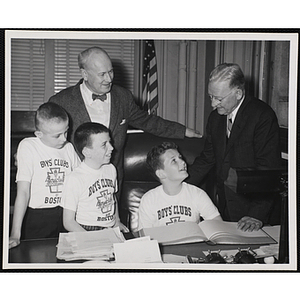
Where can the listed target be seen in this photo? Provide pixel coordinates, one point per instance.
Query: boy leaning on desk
(88, 198)
(174, 200)
(43, 163)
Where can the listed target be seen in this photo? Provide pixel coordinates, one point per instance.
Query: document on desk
(89, 244)
(139, 250)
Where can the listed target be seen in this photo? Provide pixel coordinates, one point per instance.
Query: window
(30, 57)
(67, 72)
(27, 73)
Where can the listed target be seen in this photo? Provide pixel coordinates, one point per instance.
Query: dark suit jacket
(124, 112)
(253, 143)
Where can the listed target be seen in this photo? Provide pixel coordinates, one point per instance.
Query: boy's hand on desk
(123, 228)
(249, 224)
(13, 242)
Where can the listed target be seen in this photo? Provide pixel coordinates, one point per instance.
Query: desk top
(44, 250)
(34, 251)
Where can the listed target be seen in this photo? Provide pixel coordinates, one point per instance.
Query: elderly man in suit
(241, 132)
(95, 98)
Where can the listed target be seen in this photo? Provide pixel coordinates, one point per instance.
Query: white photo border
(178, 35)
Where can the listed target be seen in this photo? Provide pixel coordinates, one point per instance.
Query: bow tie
(100, 97)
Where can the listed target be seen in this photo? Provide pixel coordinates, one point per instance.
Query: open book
(218, 232)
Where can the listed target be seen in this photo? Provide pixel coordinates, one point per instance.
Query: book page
(178, 233)
(227, 233)
(273, 231)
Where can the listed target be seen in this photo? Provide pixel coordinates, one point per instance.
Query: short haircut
(229, 72)
(82, 135)
(154, 155)
(84, 55)
(49, 111)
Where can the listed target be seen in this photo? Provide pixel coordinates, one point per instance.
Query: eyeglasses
(212, 97)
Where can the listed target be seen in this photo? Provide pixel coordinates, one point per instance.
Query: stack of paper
(88, 245)
(139, 250)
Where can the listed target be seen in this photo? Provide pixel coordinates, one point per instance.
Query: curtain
(182, 68)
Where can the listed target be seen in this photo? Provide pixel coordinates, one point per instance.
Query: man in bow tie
(241, 132)
(116, 111)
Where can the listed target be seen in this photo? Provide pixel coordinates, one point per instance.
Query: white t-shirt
(159, 209)
(91, 194)
(46, 169)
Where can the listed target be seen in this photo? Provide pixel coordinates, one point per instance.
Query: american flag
(149, 97)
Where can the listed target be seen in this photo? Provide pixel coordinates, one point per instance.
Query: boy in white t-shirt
(89, 194)
(174, 200)
(43, 163)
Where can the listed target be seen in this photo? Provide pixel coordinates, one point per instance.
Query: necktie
(229, 127)
(100, 97)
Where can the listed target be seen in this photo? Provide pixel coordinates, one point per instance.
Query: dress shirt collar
(232, 115)
(87, 94)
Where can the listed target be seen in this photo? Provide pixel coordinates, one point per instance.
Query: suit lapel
(239, 123)
(78, 105)
(221, 137)
(114, 109)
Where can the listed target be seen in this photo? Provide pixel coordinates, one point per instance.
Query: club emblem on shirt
(174, 220)
(55, 180)
(105, 202)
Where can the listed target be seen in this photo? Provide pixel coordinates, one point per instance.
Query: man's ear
(84, 74)
(239, 94)
(160, 174)
(38, 134)
(86, 152)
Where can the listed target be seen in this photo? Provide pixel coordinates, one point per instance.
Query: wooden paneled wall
(184, 67)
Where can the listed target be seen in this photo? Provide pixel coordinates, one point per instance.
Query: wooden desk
(197, 249)
(44, 250)
(34, 251)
